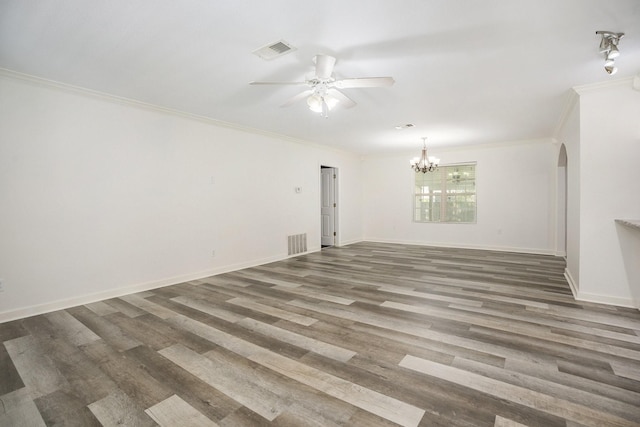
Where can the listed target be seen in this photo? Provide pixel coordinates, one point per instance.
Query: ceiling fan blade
(364, 82)
(297, 98)
(324, 66)
(345, 101)
(278, 83)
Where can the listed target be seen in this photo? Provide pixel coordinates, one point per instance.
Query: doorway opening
(561, 203)
(328, 206)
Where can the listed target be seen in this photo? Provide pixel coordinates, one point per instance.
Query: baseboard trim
(572, 283)
(600, 299)
(607, 299)
(462, 246)
(34, 310)
(350, 242)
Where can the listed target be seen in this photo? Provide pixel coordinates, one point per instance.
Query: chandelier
(424, 163)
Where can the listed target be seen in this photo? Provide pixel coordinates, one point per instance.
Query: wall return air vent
(297, 244)
(274, 50)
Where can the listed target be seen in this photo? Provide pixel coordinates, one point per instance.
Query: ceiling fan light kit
(323, 94)
(609, 47)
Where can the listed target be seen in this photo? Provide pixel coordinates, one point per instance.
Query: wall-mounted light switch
(298, 189)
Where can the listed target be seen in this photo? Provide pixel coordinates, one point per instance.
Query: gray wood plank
(520, 395)
(9, 377)
(174, 411)
(369, 334)
(39, 373)
(118, 409)
(18, 409)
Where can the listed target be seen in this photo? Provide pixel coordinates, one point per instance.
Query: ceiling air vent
(274, 50)
(405, 126)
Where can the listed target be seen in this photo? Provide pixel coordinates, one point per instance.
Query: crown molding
(498, 144)
(574, 93)
(593, 87)
(467, 148)
(569, 104)
(78, 90)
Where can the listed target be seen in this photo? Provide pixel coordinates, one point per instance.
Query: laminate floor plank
(101, 308)
(36, 369)
(12, 329)
(174, 411)
(103, 328)
(319, 347)
(197, 393)
(210, 309)
(124, 307)
(520, 395)
(9, 377)
(62, 408)
(19, 409)
(243, 389)
(369, 334)
(133, 380)
(118, 409)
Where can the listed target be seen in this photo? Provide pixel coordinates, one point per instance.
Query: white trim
(33, 310)
(572, 283)
(465, 246)
(607, 299)
(464, 147)
(350, 242)
(591, 87)
(597, 298)
(572, 99)
(77, 90)
(574, 95)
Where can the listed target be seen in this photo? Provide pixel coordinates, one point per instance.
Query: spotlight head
(611, 69)
(613, 52)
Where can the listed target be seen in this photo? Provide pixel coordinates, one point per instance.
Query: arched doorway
(561, 203)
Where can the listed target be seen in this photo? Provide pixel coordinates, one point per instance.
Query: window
(446, 195)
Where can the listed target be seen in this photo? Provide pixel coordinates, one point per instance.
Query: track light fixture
(609, 47)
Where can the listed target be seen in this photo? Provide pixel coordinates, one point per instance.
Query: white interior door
(328, 206)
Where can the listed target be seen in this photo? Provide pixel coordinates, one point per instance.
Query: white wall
(515, 191)
(609, 156)
(100, 197)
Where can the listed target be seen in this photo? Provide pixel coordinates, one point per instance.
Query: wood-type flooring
(368, 334)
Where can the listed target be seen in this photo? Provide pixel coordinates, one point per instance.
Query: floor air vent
(297, 243)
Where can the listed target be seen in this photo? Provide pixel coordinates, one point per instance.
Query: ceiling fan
(323, 93)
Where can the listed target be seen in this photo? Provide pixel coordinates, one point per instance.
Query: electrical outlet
(213, 252)
(1, 285)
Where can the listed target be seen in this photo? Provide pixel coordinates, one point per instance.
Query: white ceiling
(466, 71)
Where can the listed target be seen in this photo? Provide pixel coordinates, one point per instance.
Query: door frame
(336, 198)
